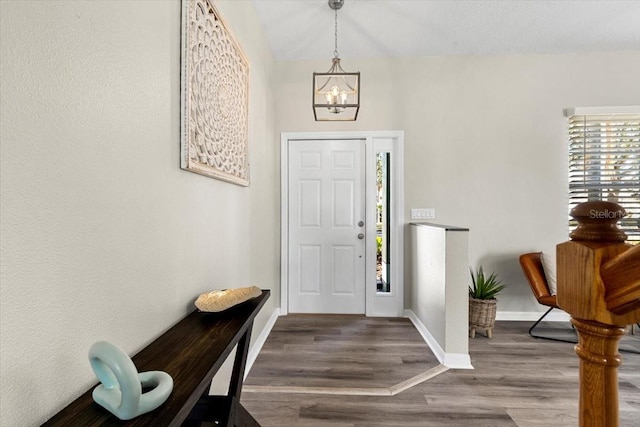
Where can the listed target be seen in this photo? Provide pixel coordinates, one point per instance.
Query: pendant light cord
(335, 51)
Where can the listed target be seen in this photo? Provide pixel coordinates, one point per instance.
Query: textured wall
(103, 237)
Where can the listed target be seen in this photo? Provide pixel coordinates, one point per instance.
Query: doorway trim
(389, 304)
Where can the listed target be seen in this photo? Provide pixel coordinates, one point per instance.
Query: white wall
(264, 157)
(484, 140)
(103, 236)
(439, 296)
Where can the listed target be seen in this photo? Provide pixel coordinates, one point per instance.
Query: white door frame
(376, 303)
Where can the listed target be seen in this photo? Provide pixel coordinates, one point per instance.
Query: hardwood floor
(340, 371)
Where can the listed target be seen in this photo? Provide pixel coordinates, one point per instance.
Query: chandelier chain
(335, 51)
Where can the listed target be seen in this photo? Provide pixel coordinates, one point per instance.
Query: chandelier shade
(336, 93)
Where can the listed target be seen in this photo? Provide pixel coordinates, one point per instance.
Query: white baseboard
(450, 360)
(260, 340)
(554, 316)
(457, 361)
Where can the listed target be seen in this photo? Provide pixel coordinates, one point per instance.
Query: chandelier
(336, 93)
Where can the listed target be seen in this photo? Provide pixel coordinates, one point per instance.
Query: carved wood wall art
(215, 96)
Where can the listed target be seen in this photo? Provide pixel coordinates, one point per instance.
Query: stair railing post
(596, 244)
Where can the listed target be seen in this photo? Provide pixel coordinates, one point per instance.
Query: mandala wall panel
(215, 96)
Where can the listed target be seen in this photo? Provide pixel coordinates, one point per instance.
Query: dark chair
(531, 264)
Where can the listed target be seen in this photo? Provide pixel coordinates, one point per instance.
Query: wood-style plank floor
(314, 370)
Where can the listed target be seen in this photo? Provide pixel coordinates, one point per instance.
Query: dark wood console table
(191, 352)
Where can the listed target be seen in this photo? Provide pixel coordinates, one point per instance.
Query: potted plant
(482, 301)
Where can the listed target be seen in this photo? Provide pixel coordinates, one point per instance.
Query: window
(604, 161)
(383, 221)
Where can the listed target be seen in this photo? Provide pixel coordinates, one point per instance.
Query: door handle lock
(360, 236)
(360, 223)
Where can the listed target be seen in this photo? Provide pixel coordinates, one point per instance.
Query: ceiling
(304, 29)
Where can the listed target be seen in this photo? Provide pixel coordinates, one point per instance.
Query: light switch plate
(423, 213)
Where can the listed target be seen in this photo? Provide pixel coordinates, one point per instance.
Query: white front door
(326, 214)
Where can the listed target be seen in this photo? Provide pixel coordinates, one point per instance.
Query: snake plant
(484, 287)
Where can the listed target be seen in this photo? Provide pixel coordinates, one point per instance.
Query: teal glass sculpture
(121, 390)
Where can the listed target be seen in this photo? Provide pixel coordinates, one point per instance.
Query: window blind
(604, 164)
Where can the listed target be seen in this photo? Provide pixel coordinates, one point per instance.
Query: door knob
(360, 223)
(360, 236)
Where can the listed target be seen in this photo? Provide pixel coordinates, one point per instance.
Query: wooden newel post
(599, 360)
(599, 286)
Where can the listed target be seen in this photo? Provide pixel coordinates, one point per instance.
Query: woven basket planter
(482, 315)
